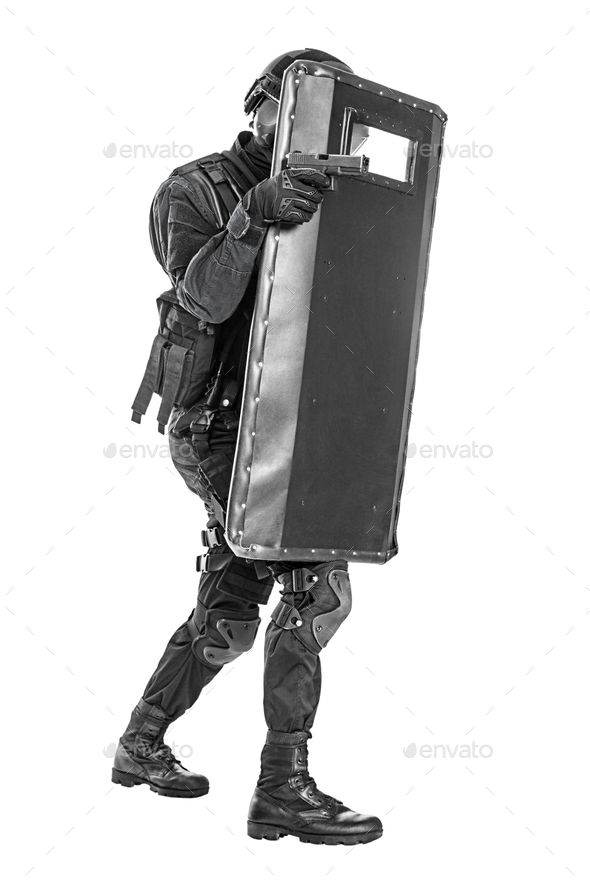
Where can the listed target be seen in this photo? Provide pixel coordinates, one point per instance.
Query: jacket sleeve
(209, 267)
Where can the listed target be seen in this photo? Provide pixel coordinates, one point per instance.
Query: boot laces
(164, 754)
(309, 785)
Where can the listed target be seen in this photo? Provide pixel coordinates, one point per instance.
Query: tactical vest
(181, 361)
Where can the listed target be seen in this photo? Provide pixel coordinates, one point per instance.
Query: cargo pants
(227, 608)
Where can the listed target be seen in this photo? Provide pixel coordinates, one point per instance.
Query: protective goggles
(264, 87)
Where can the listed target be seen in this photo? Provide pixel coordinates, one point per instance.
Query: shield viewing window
(390, 146)
(389, 155)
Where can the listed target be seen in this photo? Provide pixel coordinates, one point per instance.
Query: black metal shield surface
(334, 342)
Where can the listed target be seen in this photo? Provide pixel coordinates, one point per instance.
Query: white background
(477, 631)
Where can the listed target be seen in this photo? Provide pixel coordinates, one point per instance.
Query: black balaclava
(258, 156)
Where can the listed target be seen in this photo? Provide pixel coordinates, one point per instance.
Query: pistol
(330, 164)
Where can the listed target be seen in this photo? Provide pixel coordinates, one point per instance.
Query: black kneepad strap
(313, 605)
(286, 616)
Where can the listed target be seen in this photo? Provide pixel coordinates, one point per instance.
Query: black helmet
(268, 85)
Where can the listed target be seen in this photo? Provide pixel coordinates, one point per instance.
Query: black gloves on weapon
(291, 196)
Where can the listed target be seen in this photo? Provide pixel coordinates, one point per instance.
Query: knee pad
(326, 622)
(315, 602)
(220, 636)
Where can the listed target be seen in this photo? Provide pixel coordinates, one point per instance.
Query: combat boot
(143, 758)
(287, 802)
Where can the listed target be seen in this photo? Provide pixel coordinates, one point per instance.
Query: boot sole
(126, 779)
(267, 831)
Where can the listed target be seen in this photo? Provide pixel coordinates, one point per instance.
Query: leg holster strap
(260, 567)
(212, 537)
(213, 562)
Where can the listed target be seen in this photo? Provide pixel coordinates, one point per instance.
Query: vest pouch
(180, 363)
(196, 367)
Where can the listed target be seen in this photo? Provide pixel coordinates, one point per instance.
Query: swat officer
(207, 224)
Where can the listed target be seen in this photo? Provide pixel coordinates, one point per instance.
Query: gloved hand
(291, 196)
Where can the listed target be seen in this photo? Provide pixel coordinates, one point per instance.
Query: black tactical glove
(291, 196)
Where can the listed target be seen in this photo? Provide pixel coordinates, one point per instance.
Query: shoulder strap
(194, 164)
(210, 173)
(228, 184)
(236, 162)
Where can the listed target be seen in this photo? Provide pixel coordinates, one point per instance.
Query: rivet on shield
(253, 433)
(260, 364)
